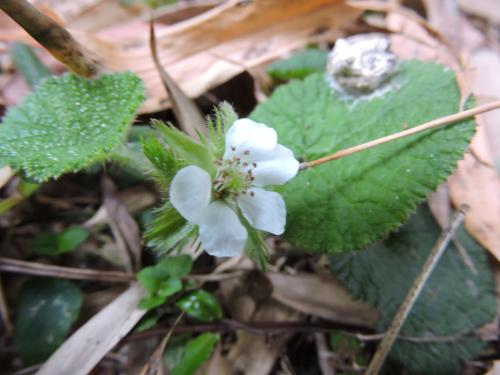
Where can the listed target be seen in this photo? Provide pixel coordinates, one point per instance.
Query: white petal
(221, 232)
(265, 210)
(190, 192)
(246, 137)
(279, 167)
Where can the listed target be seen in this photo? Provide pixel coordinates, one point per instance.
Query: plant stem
(414, 292)
(57, 40)
(447, 120)
(32, 268)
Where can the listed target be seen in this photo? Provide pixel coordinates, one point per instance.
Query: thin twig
(264, 328)
(155, 363)
(4, 311)
(32, 268)
(447, 120)
(57, 40)
(323, 354)
(414, 292)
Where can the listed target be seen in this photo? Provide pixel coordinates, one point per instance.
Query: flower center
(234, 177)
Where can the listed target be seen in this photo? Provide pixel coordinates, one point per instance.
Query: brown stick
(447, 120)
(57, 40)
(38, 269)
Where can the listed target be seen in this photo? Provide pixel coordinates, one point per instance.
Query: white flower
(252, 160)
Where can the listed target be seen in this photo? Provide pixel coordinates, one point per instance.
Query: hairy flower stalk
(252, 159)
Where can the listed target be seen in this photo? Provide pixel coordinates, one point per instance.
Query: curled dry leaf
(321, 296)
(90, 343)
(209, 49)
(125, 229)
(135, 200)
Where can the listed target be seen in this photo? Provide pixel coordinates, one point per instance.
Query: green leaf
(165, 289)
(454, 301)
(55, 244)
(146, 323)
(47, 309)
(178, 266)
(28, 64)
(186, 148)
(25, 188)
(168, 229)
(299, 65)
(200, 305)
(352, 202)
(163, 279)
(196, 352)
(69, 123)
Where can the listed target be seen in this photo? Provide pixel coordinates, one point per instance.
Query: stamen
(254, 165)
(245, 164)
(252, 193)
(247, 152)
(233, 148)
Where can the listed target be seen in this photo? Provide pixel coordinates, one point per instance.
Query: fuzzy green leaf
(352, 202)
(299, 65)
(69, 123)
(47, 309)
(454, 301)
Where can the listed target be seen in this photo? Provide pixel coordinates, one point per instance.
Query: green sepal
(186, 148)
(167, 229)
(256, 247)
(224, 117)
(163, 159)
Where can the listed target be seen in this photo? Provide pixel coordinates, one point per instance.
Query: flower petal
(279, 167)
(246, 137)
(221, 232)
(190, 192)
(265, 210)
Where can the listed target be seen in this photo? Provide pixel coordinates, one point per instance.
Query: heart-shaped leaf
(69, 123)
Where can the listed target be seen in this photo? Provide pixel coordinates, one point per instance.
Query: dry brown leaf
(495, 369)
(255, 355)
(478, 186)
(207, 50)
(135, 200)
(440, 205)
(488, 9)
(217, 364)
(485, 63)
(186, 112)
(79, 354)
(125, 229)
(321, 296)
